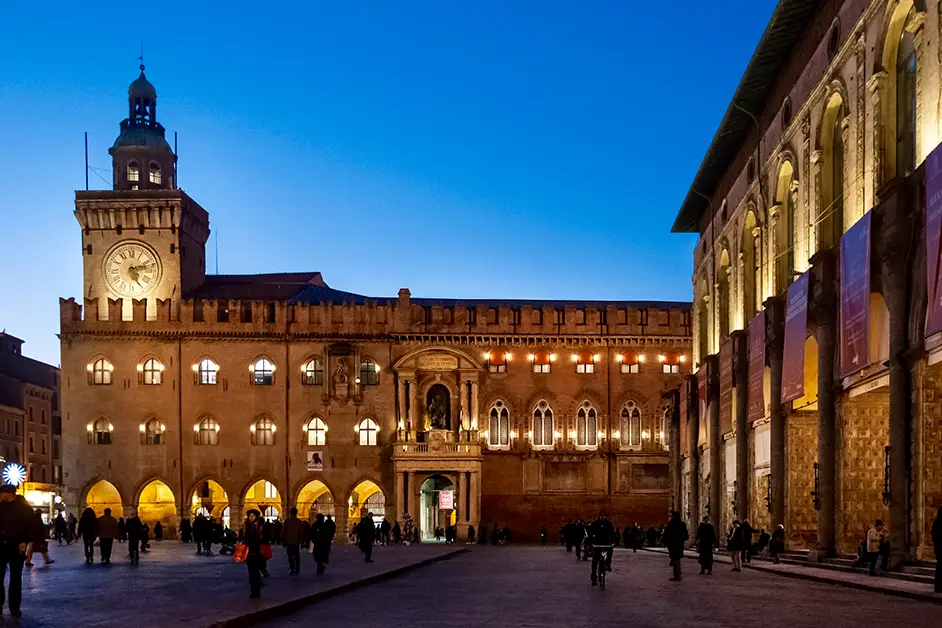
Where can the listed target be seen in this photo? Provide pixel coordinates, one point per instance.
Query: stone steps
(917, 572)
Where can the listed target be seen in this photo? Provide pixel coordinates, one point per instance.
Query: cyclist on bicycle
(601, 535)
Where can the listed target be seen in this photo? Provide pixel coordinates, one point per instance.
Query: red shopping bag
(265, 549)
(240, 553)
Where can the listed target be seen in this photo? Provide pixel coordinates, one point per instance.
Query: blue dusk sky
(499, 149)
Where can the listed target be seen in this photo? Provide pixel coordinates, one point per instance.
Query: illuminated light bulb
(599, 435)
(661, 358)
(252, 428)
(401, 425)
(325, 429)
(357, 381)
(163, 428)
(89, 427)
(196, 428)
(508, 356)
(645, 434)
(110, 427)
(217, 427)
(378, 368)
(596, 357)
(484, 434)
(617, 434)
(140, 368)
(530, 357)
(251, 368)
(556, 434)
(273, 368)
(196, 367)
(356, 428)
(160, 367)
(530, 434)
(574, 357)
(640, 357)
(682, 359)
(89, 368)
(142, 427)
(274, 428)
(572, 433)
(662, 437)
(304, 428)
(619, 358)
(487, 355)
(303, 368)
(552, 357)
(110, 367)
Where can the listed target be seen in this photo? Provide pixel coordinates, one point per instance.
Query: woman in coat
(88, 530)
(253, 536)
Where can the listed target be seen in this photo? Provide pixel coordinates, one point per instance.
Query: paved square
(545, 587)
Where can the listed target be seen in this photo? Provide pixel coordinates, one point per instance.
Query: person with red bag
(254, 538)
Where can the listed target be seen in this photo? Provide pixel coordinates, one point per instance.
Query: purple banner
(933, 233)
(855, 297)
(757, 367)
(796, 331)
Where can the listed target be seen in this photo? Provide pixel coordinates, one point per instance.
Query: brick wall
(864, 432)
(801, 452)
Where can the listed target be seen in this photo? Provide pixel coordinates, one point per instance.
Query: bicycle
(602, 565)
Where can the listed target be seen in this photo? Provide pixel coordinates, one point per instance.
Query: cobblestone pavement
(544, 587)
(173, 587)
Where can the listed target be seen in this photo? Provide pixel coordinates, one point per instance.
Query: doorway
(431, 515)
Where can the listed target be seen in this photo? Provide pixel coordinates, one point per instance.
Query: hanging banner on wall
(933, 236)
(855, 297)
(446, 500)
(757, 367)
(726, 387)
(796, 331)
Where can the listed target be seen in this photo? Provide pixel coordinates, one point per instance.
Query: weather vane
(141, 58)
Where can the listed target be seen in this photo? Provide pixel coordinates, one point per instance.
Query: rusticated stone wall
(801, 452)
(931, 445)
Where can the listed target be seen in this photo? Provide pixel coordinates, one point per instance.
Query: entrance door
(430, 515)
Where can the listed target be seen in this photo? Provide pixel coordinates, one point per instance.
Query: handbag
(265, 550)
(240, 553)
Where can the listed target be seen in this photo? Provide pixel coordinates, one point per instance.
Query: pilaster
(740, 420)
(774, 343)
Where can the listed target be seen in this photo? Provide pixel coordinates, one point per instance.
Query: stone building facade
(822, 155)
(185, 392)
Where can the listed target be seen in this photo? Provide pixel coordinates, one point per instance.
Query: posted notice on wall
(446, 500)
(315, 461)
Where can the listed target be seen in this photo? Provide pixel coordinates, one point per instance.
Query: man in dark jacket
(331, 527)
(134, 528)
(17, 529)
(706, 539)
(61, 530)
(107, 533)
(675, 537)
(366, 534)
(601, 537)
(292, 535)
(320, 542)
(747, 533)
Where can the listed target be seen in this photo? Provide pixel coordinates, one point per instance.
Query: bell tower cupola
(141, 157)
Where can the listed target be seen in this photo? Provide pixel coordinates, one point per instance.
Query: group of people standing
(575, 536)
(105, 530)
(738, 543)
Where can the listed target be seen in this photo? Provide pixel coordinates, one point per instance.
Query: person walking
(331, 527)
(366, 534)
(72, 523)
(734, 545)
(199, 533)
(320, 542)
(705, 540)
(134, 528)
(747, 533)
(578, 538)
(158, 532)
(875, 538)
(470, 535)
(292, 534)
(107, 533)
(253, 537)
(40, 544)
(122, 533)
(568, 535)
(88, 530)
(396, 533)
(675, 537)
(186, 530)
(17, 528)
(384, 528)
(937, 545)
(61, 529)
(482, 537)
(777, 543)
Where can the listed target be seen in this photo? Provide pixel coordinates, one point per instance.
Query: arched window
(587, 427)
(134, 172)
(498, 427)
(154, 173)
(829, 222)
(751, 280)
(151, 372)
(207, 431)
(100, 431)
(585, 362)
(785, 229)
(542, 361)
(312, 373)
(906, 99)
(631, 425)
(316, 432)
(497, 361)
(206, 372)
(543, 427)
(263, 372)
(369, 373)
(630, 362)
(100, 372)
(263, 432)
(723, 293)
(367, 430)
(152, 432)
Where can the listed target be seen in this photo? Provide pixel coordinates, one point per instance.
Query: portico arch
(209, 498)
(405, 360)
(156, 502)
(313, 498)
(366, 497)
(103, 494)
(263, 496)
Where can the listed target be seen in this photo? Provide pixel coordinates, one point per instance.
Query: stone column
(476, 500)
(693, 425)
(741, 420)
(402, 420)
(475, 403)
(461, 499)
(415, 412)
(466, 420)
(412, 499)
(400, 496)
(774, 343)
(893, 239)
(717, 490)
(822, 310)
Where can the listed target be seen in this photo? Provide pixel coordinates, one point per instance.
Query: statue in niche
(438, 405)
(340, 375)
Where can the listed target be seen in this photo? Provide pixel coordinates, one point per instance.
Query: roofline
(736, 125)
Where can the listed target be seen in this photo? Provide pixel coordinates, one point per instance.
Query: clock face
(131, 269)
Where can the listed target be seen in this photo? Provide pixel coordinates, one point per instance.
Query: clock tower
(145, 238)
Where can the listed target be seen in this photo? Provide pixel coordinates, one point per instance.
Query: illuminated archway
(104, 495)
(157, 503)
(366, 497)
(210, 500)
(315, 498)
(264, 497)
